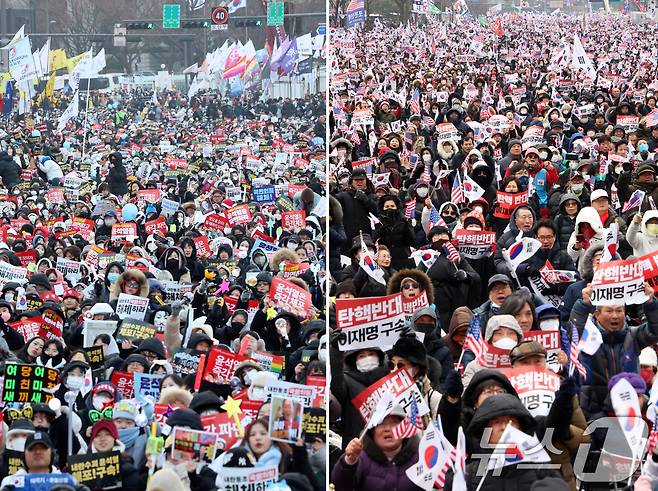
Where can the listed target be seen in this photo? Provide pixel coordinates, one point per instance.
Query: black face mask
(449, 219)
(438, 245)
(424, 327)
(237, 325)
(390, 213)
(172, 263)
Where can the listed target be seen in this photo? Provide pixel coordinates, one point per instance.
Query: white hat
(599, 193)
(648, 357)
(101, 309)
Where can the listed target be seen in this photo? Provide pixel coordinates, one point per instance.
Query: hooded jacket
(591, 216)
(564, 223)
(510, 237)
(9, 170)
(395, 232)
(641, 240)
(461, 317)
(192, 263)
(180, 273)
(117, 287)
(117, 177)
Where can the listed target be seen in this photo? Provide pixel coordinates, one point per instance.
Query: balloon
(129, 212)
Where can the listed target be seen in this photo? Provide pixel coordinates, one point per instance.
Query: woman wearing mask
(98, 405)
(105, 438)
(124, 416)
(394, 231)
(642, 233)
(173, 260)
(105, 283)
(131, 282)
(192, 262)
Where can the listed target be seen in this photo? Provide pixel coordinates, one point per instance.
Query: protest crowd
(493, 236)
(162, 275)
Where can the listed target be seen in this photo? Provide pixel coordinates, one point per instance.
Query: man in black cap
(357, 205)
(499, 287)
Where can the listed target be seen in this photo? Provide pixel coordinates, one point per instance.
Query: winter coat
(367, 286)
(337, 236)
(559, 259)
(9, 170)
(619, 352)
(438, 350)
(266, 329)
(461, 317)
(193, 263)
(509, 238)
(575, 290)
(180, 273)
(626, 186)
(373, 470)
(117, 177)
(641, 240)
(356, 209)
(564, 223)
(586, 215)
(50, 168)
(395, 232)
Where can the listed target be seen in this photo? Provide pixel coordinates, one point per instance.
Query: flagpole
(482, 480)
(84, 126)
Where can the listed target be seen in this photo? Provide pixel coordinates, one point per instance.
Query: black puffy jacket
(10, 171)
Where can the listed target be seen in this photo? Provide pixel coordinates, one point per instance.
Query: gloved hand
(461, 275)
(531, 270)
(202, 287)
(568, 388)
(551, 290)
(176, 307)
(407, 332)
(336, 336)
(452, 385)
(360, 195)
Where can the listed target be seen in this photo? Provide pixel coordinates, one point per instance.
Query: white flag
(98, 62)
(436, 455)
(580, 59)
(514, 447)
(591, 339)
(81, 70)
(192, 68)
(154, 98)
(21, 62)
(610, 247)
(459, 479)
(87, 383)
(369, 264)
(472, 190)
(521, 251)
(626, 404)
(20, 34)
(235, 5)
(194, 88)
(384, 406)
(69, 112)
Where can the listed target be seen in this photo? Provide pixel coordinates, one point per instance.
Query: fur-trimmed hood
(130, 273)
(282, 255)
(422, 279)
(441, 153)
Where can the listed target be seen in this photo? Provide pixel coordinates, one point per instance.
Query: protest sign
(149, 195)
(264, 194)
(618, 283)
(506, 203)
(493, 357)
(225, 428)
(650, 268)
(269, 362)
(26, 257)
(215, 221)
(99, 470)
(12, 273)
(320, 384)
(69, 269)
(28, 383)
(248, 478)
(146, 384)
(175, 290)
(134, 330)
(290, 297)
(14, 460)
(268, 248)
(40, 482)
(158, 225)
(95, 356)
(124, 231)
(411, 305)
(400, 384)
(447, 131)
(285, 419)
(292, 220)
(293, 270)
(124, 383)
(221, 364)
(238, 215)
(536, 388)
(550, 340)
(628, 122)
(169, 207)
(370, 321)
(474, 244)
(131, 306)
(185, 363)
(533, 135)
(302, 393)
(93, 328)
(193, 445)
(28, 328)
(202, 247)
(314, 424)
(52, 325)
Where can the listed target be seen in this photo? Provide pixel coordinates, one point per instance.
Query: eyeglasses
(494, 391)
(449, 213)
(132, 284)
(409, 285)
(399, 366)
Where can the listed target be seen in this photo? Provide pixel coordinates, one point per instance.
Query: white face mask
(208, 412)
(367, 364)
(427, 158)
(422, 192)
(550, 325)
(17, 444)
(322, 355)
(247, 376)
(577, 187)
(99, 402)
(505, 343)
(257, 394)
(74, 382)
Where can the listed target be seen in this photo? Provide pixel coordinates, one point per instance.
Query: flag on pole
(87, 383)
(516, 446)
(521, 251)
(436, 455)
(414, 103)
(580, 60)
(409, 209)
(70, 112)
(591, 339)
(20, 34)
(472, 190)
(573, 355)
(154, 98)
(369, 264)
(410, 424)
(459, 478)
(457, 192)
(435, 219)
(451, 253)
(425, 256)
(474, 341)
(610, 247)
(636, 199)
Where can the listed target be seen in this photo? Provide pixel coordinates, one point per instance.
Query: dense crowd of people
(481, 173)
(162, 278)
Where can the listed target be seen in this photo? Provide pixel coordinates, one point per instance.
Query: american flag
(451, 252)
(636, 199)
(355, 5)
(425, 176)
(652, 118)
(409, 209)
(457, 193)
(414, 103)
(354, 138)
(435, 219)
(474, 341)
(411, 422)
(429, 121)
(574, 354)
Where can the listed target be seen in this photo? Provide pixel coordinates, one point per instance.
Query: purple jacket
(374, 471)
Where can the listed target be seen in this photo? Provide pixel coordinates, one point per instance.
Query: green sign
(275, 10)
(171, 16)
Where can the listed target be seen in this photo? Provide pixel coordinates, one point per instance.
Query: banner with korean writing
(134, 330)
(618, 283)
(506, 203)
(536, 388)
(299, 392)
(370, 321)
(291, 220)
(69, 269)
(550, 340)
(28, 383)
(447, 131)
(403, 387)
(185, 363)
(202, 247)
(264, 194)
(475, 245)
(294, 270)
(533, 135)
(493, 357)
(101, 470)
(124, 382)
(28, 328)
(149, 195)
(411, 305)
(124, 231)
(193, 445)
(650, 268)
(221, 364)
(146, 384)
(269, 362)
(248, 478)
(320, 384)
(215, 221)
(12, 273)
(158, 225)
(238, 215)
(628, 122)
(290, 297)
(52, 326)
(225, 428)
(95, 356)
(314, 424)
(26, 257)
(131, 306)
(175, 290)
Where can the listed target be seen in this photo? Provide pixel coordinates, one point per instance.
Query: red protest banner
(230, 303)
(320, 384)
(260, 235)
(238, 215)
(650, 268)
(293, 189)
(124, 231)
(618, 283)
(202, 247)
(506, 203)
(26, 257)
(28, 328)
(290, 296)
(124, 383)
(221, 364)
(536, 388)
(215, 221)
(83, 224)
(55, 196)
(225, 427)
(158, 225)
(149, 195)
(293, 219)
(293, 270)
(494, 357)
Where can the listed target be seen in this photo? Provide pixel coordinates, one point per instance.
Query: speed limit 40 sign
(219, 19)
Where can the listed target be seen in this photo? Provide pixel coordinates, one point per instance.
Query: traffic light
(248, 23)
(140, 25)
(195, 24)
